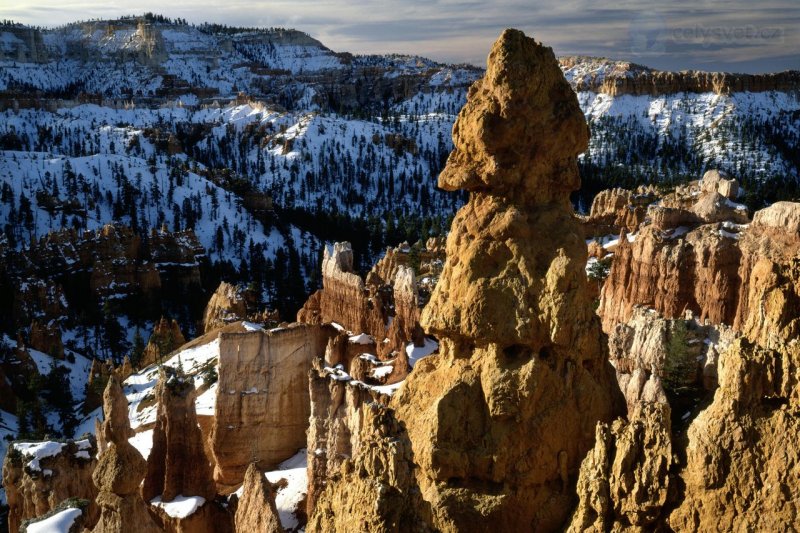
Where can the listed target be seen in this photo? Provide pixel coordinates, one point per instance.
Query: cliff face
(699, 282)
(621, 77)
(744, 276)
(262, 384)
(38, 476)
(624, 481)
(501, 419)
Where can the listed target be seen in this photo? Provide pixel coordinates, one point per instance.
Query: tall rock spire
(119, 471)
(501, 419)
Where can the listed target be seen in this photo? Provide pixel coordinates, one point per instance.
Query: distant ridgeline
(266, 144)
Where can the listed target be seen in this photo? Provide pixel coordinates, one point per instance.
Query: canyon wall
(262, 404)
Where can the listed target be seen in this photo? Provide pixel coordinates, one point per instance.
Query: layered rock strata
(622, 77)
(386, 306)
(744, 276)
(262, 384)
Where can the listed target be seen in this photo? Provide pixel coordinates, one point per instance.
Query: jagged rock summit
(521, 129)
(501, 419)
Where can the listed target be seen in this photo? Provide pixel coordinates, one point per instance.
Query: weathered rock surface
(360, 472)
(386, 306)
(35, 486)
(615, 210)
(641, 347)
(743, 276)
(230, 303)
(624, 481)
(120, 471)
(521, 350)
(262, 404)
(225, 306)
(256, 511)
(177, 464)
(743, 462)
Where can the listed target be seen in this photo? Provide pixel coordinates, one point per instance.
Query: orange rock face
(500, 420)
(745, 277)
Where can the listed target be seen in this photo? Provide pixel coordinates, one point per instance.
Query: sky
(724, 35)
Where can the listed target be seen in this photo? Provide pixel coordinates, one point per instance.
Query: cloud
(710, 34)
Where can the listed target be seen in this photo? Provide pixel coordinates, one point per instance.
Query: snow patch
(36, 451)
(60, 522)
(181, 506)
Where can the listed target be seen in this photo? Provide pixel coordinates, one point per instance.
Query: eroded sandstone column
(119, 471)
(501, 419)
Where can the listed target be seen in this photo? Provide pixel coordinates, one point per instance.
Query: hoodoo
(120, 471)
(501, 419)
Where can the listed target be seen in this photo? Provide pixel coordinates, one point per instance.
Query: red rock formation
(615, 210)
(727, 274)
(262, 404)
(38, 476)
(500, 419)
(360, 462)
(344, 295)
(359, 307)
